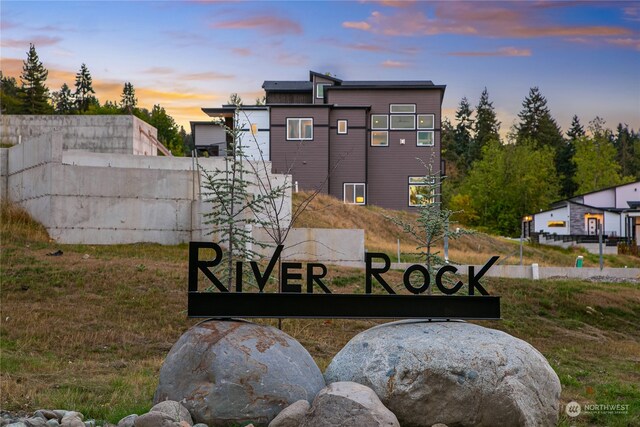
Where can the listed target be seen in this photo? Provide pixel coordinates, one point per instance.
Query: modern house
(364, 142)
(616, 210)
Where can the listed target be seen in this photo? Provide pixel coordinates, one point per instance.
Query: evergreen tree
(34, 94)
(128, 100)
(576, 130)
(487, 126)
(536, 124)
(462, 138)
(187, 140)
(10, 102)
(564, 160)
(84, 89)
(595, 159)
(624, 147)
(63, 100)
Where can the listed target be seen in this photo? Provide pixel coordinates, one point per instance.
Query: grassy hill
(381, 235)
(89, 330)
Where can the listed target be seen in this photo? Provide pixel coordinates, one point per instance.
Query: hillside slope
(381, 235)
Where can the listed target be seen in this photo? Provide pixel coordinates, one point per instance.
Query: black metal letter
(316, 277)
(474, 279)
(376, 272)
(196, 264)
(286, 276)
(441, 286)
(238, 276)
(263, 279)
(407, 276)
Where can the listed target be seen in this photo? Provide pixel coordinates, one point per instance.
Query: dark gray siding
(389, 167)
(307, 161)
(288, 98)
(348, 151)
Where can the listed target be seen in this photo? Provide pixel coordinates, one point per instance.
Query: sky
(184, 55)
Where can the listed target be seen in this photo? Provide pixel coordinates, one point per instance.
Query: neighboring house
(615, 209)
(363, 142)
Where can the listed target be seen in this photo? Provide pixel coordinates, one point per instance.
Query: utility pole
(601, 226)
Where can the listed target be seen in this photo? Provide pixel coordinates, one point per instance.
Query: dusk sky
(184, 55)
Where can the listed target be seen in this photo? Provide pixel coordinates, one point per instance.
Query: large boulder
(227, 372)
(454, 373)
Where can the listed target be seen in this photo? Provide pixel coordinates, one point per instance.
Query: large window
(403, 122)
(299, 129)
(354, 193)
(402, 108)
(425, 138)
(379, 121)
(421, 190)
(320, 90)
(379, 138)
(425, 121)
(342, 127)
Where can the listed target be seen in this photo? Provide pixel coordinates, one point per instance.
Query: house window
(425, 121)
(320, 90)
(379, 138)
(402, 108)
(254, 128)
(299, 129)
(403, 122)
(421, 190)
(556, 224)
(379, 121)
(354, 193)
(425, 138)
(342, 126)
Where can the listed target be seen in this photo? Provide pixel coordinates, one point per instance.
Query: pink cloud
(361, 25)
(626, 42)
(24, 43)
(505, 51)
(394, 64)
(242, 51)
(267, 24)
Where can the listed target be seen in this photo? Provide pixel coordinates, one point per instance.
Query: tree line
(494, 183)
(32, 96)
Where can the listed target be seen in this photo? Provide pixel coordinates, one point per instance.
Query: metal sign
(305, 294)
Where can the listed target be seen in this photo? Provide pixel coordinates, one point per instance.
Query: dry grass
(90, 333)
(16, 223)
(381, 235)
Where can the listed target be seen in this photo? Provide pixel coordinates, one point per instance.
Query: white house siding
(601, 199)
(612, 225)
(211, 134)
(256, 147)
(627, 193)
(542, 219)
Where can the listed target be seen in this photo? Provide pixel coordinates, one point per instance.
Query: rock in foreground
(227, 372)
(454, 373)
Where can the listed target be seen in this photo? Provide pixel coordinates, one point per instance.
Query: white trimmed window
(420, 191)
(379, 138)
(379, 121)
(342, 127)
(425, 138)
(403, 122)
(402, 108)
(320, 90)
(354, 193)
(300, 129)
(426, 121)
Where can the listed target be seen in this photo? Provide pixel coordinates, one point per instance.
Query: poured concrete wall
(122, 134)
(310, 244)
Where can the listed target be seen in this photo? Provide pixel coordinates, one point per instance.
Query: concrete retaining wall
(311, 244)
(526, 271)
(122, 134)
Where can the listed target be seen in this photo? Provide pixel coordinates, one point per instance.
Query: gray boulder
(175, 410)
(155, 419)
(348, 404)
(454, 373)
(128, 421)
(292, 415)
(227, 372)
